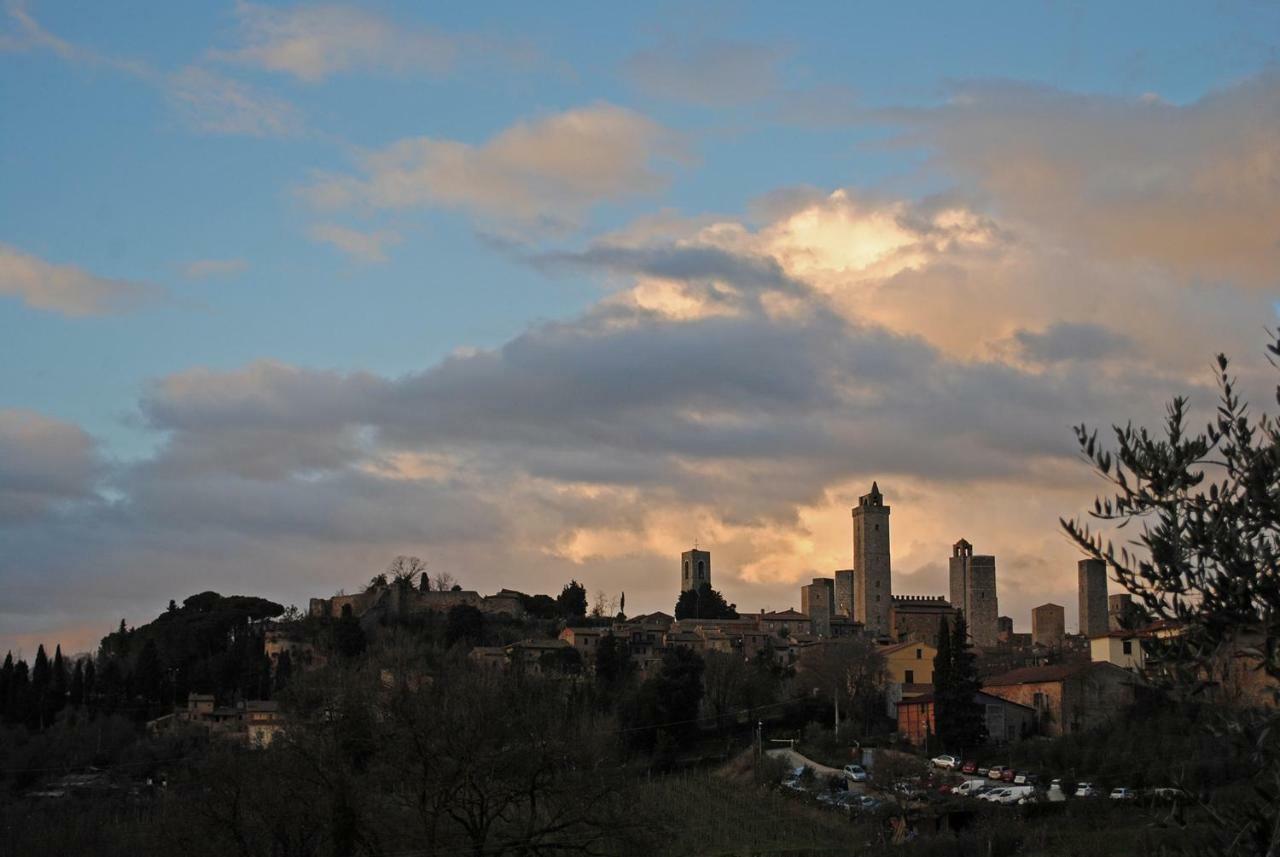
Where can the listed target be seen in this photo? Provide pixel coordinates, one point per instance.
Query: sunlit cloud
(545, 173)
(370, 247)
(68, 289)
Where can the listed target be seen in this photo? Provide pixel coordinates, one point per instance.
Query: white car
(1015, 794)
(948, 762)
(969, 788)
(856, 773)
(1086, 790)
(995, 795)
(1123, 794)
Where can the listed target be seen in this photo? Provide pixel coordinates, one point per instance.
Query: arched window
(701, 566)
(686, 568)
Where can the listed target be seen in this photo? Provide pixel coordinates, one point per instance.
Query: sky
(548, 293)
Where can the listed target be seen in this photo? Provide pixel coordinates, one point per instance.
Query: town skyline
(287, 291)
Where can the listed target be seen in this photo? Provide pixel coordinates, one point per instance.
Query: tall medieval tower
(1093, 597)
(973, 592)
(695, 569)
(872, 578)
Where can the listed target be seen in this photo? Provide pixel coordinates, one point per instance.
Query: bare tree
(444, 581)
(849, 672)
(405, 570)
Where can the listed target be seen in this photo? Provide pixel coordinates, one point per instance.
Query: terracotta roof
(1050, 673)
(979, 697)
(785, 616)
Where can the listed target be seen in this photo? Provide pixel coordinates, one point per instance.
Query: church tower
(695, 569)
(873, 595)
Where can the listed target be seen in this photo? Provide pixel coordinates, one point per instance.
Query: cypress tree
(58, 682)
(75, 696)
(90, 681)
(284, 670)
(942, 684)
(6, 683)
(968, 719)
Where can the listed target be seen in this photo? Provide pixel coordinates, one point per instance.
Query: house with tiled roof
(1067, 697)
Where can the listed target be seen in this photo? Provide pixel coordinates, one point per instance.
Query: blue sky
(364, 191)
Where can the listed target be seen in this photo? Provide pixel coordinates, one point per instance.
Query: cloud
(314, 42)
(42, 462)
(550, 171)
(709, 72)
(213, 104)
(68, 289)
(1067, 341)
(368, 247)
(200, 269)
(1193, 189)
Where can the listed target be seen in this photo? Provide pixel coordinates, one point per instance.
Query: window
(1128, 647)
(701, 566)
(911, 677)
(1039, 700)
(919, 654)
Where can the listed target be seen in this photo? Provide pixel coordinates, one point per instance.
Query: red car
(969, 767)
(1007, 775)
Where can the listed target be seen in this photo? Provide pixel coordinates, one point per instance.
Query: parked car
(1120, 793)
(856, 773)
(969, 767)
(949, 763)
(995, 772)
(1008, 775)
(1087, 790)
(1014, 794)
(981, 770)
(1025, 779)
(794, 784)
(970, 788)
(993, 795)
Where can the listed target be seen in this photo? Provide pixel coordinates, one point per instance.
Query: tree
(58, 680)
(445, 582)
(613, 665)
(378, 581)
(663, 712)
(850, 673)
(464, 624)
(405, 571)
(960, 719)
(723, 677)
(284, 671)
(703, 602)
(573, 601)
(348, 637)
(1203, 560)
(148, 672)
(75, 695)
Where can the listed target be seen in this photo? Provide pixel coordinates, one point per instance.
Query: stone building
(1067, 697)
(817, 601)
(873, 581)
(1005, 720)
(973, 592)
(1048, 625)
(1004, 628)
(916, 617)
(1092, 574)
(695, 569)
(844, 592)
(395, 600)
(1122, 613)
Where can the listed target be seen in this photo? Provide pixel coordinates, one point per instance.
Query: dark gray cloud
(1072, 341)
(710, 72)
(43, 462)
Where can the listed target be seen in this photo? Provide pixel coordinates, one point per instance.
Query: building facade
(973, 592)
(1005, 720)
(1067, 697)
(917, 617)
(1048, 625)
(1092, 574)
(1122, 613)
(844, 593)
(817, 601)
(873, 580)
(695, 569)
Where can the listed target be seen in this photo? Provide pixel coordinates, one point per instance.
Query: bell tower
(873, 580)
(695, 569)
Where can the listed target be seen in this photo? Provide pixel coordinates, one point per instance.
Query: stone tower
(844, 593)
(872, 589)
(817, 601)
(1093, 597)
(1048, 625)
(973, 592)
(695, 569)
